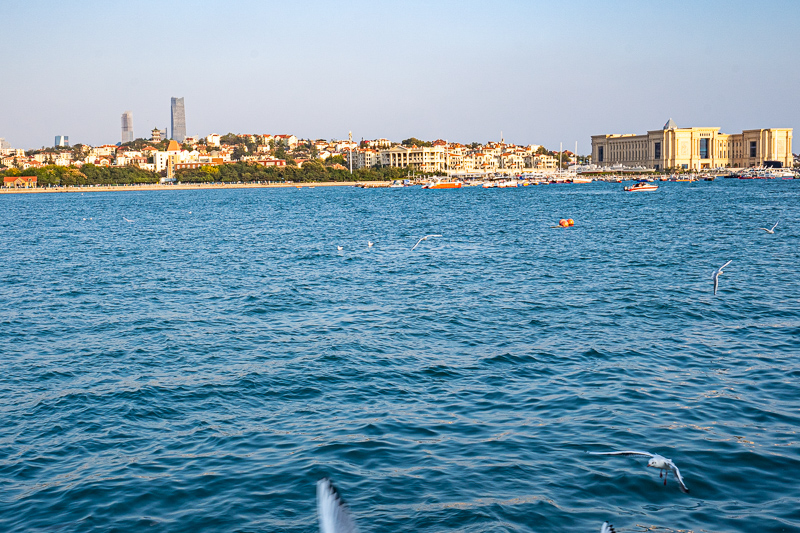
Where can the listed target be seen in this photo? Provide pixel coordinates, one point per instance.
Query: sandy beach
(188, 186)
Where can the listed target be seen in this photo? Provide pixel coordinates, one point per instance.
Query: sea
(196, 360)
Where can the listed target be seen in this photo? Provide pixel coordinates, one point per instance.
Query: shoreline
(186, 187)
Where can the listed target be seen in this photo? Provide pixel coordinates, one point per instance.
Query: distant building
(17, 182)
(694, 148)
(178, 124)
(62, 140)
(127, 127)
(3, 144)
(213, 140)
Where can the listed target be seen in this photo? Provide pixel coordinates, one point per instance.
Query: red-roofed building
(20, 182)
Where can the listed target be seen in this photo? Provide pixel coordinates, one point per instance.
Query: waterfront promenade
(180, 186)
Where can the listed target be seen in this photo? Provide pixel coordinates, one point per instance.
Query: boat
(641, 186)
(581, 180)
(439, 184)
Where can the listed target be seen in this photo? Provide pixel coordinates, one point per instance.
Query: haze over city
(539, 72)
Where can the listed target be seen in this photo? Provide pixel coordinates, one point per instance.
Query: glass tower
(178, 125)
(127, 126)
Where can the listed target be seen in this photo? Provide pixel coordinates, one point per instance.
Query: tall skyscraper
(178, 125)
(127, 127)
(62, 140)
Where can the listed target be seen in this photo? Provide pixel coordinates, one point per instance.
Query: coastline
(187, 187)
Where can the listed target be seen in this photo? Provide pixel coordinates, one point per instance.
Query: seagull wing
(678, 476)
(775, 226)
(425, 238)
(607, 528)
(716, 282)
(334, 516)
(625, 453)
(723, 266)
(765, 229)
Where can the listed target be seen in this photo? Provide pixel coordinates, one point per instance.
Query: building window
(684, 166)
(703, 148)
(752, 148)
(657, 150)
(600, 154)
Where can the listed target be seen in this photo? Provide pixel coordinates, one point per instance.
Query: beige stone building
(694, 148)
(424, 158)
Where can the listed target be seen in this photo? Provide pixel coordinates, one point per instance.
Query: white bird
(607, 528)
(716, 273)
(370, 243)
(127, 220)
(339, 248)
(656, 461)
(333, 513)
(425, 238)
(772, 229)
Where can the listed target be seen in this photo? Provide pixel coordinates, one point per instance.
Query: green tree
(413, 141)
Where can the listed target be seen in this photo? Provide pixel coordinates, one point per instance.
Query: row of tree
(311, 171)
(54, 175)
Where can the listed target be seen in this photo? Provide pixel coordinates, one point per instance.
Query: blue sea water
(199, 368)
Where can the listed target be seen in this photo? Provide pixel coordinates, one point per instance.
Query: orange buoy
(563, 223)
(570, 222)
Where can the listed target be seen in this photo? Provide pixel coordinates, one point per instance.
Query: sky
(534, 72)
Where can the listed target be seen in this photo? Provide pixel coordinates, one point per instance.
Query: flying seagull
(370, 243)
(127, 220)
(339, 248)
(333, 513)
(772, 229)
(656, 461)
(607, 528)
(716, 273)
(425, 238)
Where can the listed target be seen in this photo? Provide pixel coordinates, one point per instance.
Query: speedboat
(641, 186)
(442, 185)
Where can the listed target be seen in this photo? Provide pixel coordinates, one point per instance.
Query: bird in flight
(656, 461)
(772, 229)
(607, 528)
(339, 248)
(127, 220)
(716, 273)
(333, 513)
(425, 238)
(370, 243)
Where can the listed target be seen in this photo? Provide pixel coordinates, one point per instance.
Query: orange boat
(442, 185)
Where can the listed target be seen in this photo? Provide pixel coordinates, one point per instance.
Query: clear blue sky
(540, 72)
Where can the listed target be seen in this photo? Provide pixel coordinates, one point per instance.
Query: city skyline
(541, 73)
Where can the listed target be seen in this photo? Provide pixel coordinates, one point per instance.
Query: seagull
(607, 528)
(370, 243)
(716, 273)
(772, 229)
(425, 238)
(127, 220)
(339, 248)
(333, 513)
(656, 461)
